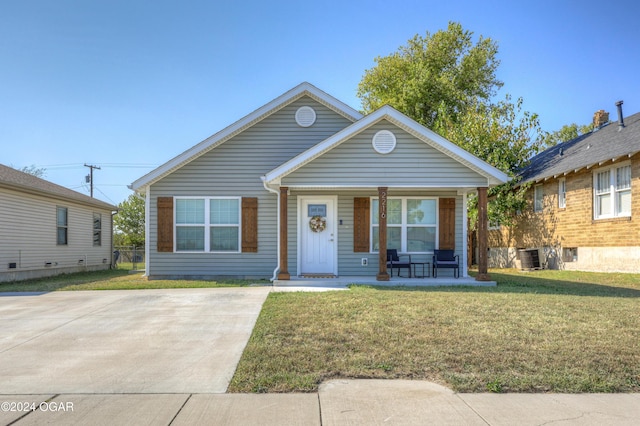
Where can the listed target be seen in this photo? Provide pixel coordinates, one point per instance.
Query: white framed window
(562, 193)
(62, 226)
(97, 229)
(207, 224)
(538, 198)
(412, 224)
(612, 192)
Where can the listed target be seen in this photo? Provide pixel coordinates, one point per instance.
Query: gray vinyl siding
(349, 263)
(28, 228)
(234, 169)
(412, 163)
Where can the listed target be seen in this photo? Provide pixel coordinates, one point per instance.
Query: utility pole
(89, 178)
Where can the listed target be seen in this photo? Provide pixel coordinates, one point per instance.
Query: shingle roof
(607, 143)
(28, 183)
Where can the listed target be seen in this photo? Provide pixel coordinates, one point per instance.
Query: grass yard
(115, 279)
(544, 331)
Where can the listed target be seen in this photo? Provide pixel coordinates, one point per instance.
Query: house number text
(383, 204)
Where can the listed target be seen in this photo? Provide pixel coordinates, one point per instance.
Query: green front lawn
(545, 331)
(116, 279)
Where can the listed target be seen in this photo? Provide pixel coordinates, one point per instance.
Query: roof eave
(242, 124)
(493, 175)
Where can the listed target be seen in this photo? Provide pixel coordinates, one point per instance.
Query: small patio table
(414, 264)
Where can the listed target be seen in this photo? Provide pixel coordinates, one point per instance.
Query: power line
(109, 165)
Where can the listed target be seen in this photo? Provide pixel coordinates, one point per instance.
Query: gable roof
(595, 148)
(24, 182)
(493, 175)
(303, 89)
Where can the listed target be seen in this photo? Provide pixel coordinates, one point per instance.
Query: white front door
(318, 236)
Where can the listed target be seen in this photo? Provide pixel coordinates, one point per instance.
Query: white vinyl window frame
(538, 198)
(97, 229)
(562, 193)
(404, 225)
(612, 191)
(62, 226)
(207, 225)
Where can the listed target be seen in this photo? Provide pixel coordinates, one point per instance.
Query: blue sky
(128, 84)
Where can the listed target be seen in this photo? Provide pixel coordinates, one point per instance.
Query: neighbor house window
(209, 224)
(538, 198)
(612, 192)
(97, 229)
(562, 193)
(411, 224)
(61, 226)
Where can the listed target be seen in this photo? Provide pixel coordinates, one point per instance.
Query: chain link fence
(129, 255)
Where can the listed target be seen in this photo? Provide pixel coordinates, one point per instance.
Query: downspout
(275, 191)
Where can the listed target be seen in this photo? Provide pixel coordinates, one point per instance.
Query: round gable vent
(305, 116)
(384, 142)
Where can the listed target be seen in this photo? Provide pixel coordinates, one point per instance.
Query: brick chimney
(600, 118)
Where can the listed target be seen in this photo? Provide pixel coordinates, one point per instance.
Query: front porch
(339, 283)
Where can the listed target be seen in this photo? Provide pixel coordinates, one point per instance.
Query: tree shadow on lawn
(532, 284)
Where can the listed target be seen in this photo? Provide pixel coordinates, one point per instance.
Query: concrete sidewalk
(338, 402)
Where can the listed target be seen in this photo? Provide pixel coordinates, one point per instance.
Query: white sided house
(46, 229)
(308, 186)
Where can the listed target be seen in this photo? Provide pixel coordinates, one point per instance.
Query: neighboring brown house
(584, 211)
(46, 229)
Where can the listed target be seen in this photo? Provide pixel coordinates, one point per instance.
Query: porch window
(612, 192)
(209, 224)
(411, 224)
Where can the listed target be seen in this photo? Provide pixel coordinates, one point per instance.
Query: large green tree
(503, 135)
(129, 222)
(441, 72)
(448, 82)
(566, 133)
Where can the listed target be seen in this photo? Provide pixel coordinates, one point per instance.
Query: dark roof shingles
(18, 179)
(586, 150)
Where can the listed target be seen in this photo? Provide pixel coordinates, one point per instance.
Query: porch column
(483, 235)
(383, 275)
(283, 274)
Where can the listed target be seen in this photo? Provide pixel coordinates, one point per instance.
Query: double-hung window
(97, 229)
(411, 224)
(562, 193)
(62, 226)
(612, 192)
(210, 224)
(538, 198)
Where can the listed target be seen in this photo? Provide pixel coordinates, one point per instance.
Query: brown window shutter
(447, 223)
(165, 224)
(361, 207)
(250, 225)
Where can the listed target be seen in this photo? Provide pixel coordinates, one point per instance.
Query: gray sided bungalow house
(46, 229)
(306, 185)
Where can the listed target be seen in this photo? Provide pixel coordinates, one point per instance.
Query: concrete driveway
(130, 341)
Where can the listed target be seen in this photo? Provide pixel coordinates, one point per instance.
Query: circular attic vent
(305, 116)
(384, 142)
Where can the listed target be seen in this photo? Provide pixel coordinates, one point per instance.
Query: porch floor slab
(339, 283)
